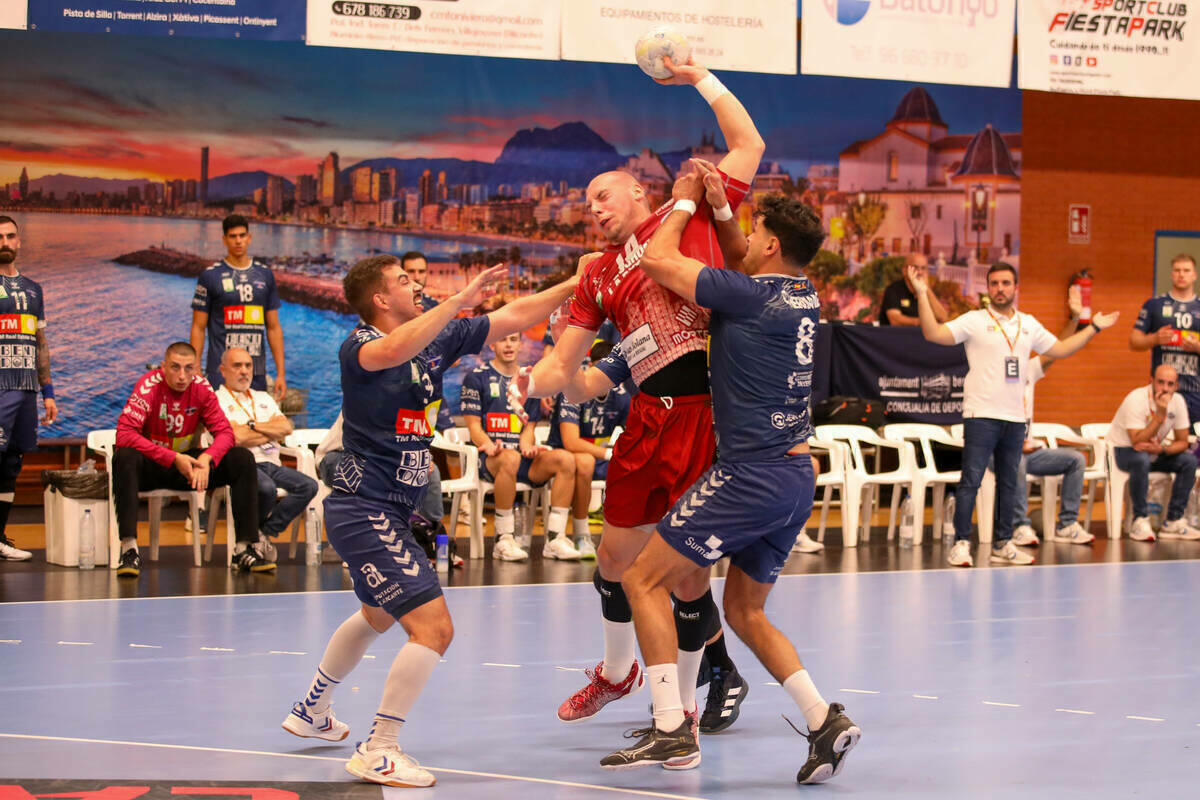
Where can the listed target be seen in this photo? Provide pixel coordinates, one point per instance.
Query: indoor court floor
(1055, 681)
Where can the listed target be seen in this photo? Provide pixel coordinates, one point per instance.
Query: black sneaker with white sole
(677, 749)
(130, 565)
(251, 560)
(828, 746)
(726, 691)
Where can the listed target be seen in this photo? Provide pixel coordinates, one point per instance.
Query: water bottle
(88, 467)
(948, 521)
(520, 529)
(87, 540)
(906, 523)
(312, 538)
(442, 542)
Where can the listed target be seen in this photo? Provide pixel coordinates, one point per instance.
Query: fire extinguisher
(1083, 280)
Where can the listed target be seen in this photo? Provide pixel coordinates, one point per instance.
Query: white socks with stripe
(345, 649)
(504, 522)
(800, 686)
(556, 522)
(405, 681)
(664, 693)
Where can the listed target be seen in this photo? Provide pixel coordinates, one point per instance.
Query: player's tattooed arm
(43, 358)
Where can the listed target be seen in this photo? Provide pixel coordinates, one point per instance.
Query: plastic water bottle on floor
(520, 523)
(312, 539)
(948, 521)
(442, 543)
(87, 540)
(907, 523)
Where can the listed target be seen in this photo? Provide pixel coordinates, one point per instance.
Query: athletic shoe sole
(128, 572)
(333, 738)
(360, 770)
(842, 746)
(682, 763)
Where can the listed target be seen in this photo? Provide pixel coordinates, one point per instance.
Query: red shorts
(667, 445)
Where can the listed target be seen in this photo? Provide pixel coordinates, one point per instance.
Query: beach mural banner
(119, 156)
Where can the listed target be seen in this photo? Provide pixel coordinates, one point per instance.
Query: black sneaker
(674, 750)
(131, 564)
(726, 691)
(828, 746)
(250, 560)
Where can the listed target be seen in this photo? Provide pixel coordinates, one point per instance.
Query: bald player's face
(614, 202)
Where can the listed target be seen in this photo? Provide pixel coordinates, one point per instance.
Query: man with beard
(24, 369)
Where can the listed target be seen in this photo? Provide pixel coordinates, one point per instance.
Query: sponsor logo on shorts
(710, 549)
(372, 574)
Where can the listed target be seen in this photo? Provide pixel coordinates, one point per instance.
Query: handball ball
(656, 43)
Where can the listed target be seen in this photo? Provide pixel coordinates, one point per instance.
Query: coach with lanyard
(999, 340)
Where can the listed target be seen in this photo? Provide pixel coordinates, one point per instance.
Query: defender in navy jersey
(236, 304)
(24, 370)
(391, 367)
(759, 492)
(1169, 327)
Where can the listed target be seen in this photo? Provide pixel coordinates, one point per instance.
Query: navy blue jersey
(485, 395)
(388, 416)
(237, 302)
(597, 418)
(1165, 311)
(22, 315)
(427, 303)
(760, 359)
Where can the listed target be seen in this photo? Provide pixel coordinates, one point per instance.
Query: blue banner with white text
(221, 19)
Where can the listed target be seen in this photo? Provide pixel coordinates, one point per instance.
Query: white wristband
(710, 88)
(723, 213)
(685, 205)
(608, 454)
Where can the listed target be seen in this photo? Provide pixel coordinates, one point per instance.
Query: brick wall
(1137, 163)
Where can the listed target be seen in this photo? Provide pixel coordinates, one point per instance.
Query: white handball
(656, 43)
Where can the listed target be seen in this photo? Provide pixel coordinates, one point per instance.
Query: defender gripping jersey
(22, 315)
(237, 302)
(485, 395)
(388, 415)
(1165, 311)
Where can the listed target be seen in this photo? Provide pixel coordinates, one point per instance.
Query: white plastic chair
(1057, 434)
(858, 478)
(933, 478)
(1116, 487)
(834, 477)
(466, 485)
(104, 442)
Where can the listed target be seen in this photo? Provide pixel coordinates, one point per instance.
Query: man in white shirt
(1147, 417)
(259, 425)
(999, 341)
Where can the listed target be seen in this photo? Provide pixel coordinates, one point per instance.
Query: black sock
(5, 506)
(717, 656)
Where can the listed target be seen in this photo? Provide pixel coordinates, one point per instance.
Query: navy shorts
(18, 421)
(522, 471)
(749, 511)
(600, 471)
(389, 569)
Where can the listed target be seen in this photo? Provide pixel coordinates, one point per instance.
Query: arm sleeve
(962, 326)
(1043, 339)
(272, 291)
(568, 412)
(585, 311)
(201, 298)
(731, 292)
(471, 398)
(533, 409)
(1146, 322)
(132, 423)
(214, 419)
(891, 299)
(1127, 417)
(468, 338)
(273, 409)
(1181, 412)
(615, 366)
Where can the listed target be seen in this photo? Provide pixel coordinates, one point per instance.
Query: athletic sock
(405, 681)
(689, 668)
(800, 686)
(579, 528)
(717, 656)
(620, 641)
(664, 693)
(504, 522)
(345, 649)
(129, 544)
(556, 522)
(6, 503)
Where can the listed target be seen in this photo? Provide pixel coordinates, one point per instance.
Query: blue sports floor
(1041, 682)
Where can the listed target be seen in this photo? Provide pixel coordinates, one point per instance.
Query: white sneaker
(310, 725)
(1178, 529)
(960, 554)
(560, 548)
(1141, 530)
(390, 766)
(586, 547)
(806, 544)
(1008, 553)
(507, 549)
(9, 552)
(1025, 536)
(1073, 534)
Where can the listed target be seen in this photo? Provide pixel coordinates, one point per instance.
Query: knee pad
(613, 602)
(10, 468)
(696, 621)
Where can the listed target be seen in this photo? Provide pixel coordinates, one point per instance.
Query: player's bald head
(617, 203)
(1166, 373)
(616, 180)
(235, 353)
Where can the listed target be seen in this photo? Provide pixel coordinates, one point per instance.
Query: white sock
(407, 677)
(689, 669)
(556, 522)
(579, 528)
(345, 649)
(800, 686)
(129, 544)
(504, 522)
(620, 639)
(664, 693)
(240, 547)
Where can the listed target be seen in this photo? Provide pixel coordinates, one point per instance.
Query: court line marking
(1075, 711)
(550, 781)
(494, 664)
(147, 646)
(1003, 705)
(219, 649)
(10, 641)
(859, 691)
(930, 570)
(81, 644)
(570, 669)
(1145, 719)
(925, 696)
(285, 653)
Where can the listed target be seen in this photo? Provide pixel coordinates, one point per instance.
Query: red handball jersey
(159, 422)
(657, 326)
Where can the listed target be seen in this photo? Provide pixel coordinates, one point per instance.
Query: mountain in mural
(61, 185)
(241, 186)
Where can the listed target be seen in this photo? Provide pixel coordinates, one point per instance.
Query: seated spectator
(583, 429)
(158, 437)
(899, 306)
(508, 455)
(259, 426)
(1147, 417)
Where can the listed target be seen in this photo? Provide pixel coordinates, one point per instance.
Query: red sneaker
(598, 693)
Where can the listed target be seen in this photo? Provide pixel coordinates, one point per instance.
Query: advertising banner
(750, 36)
(1134, 48)
(12, 15)
(501, 28)
(941, 41)
(221, 19)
